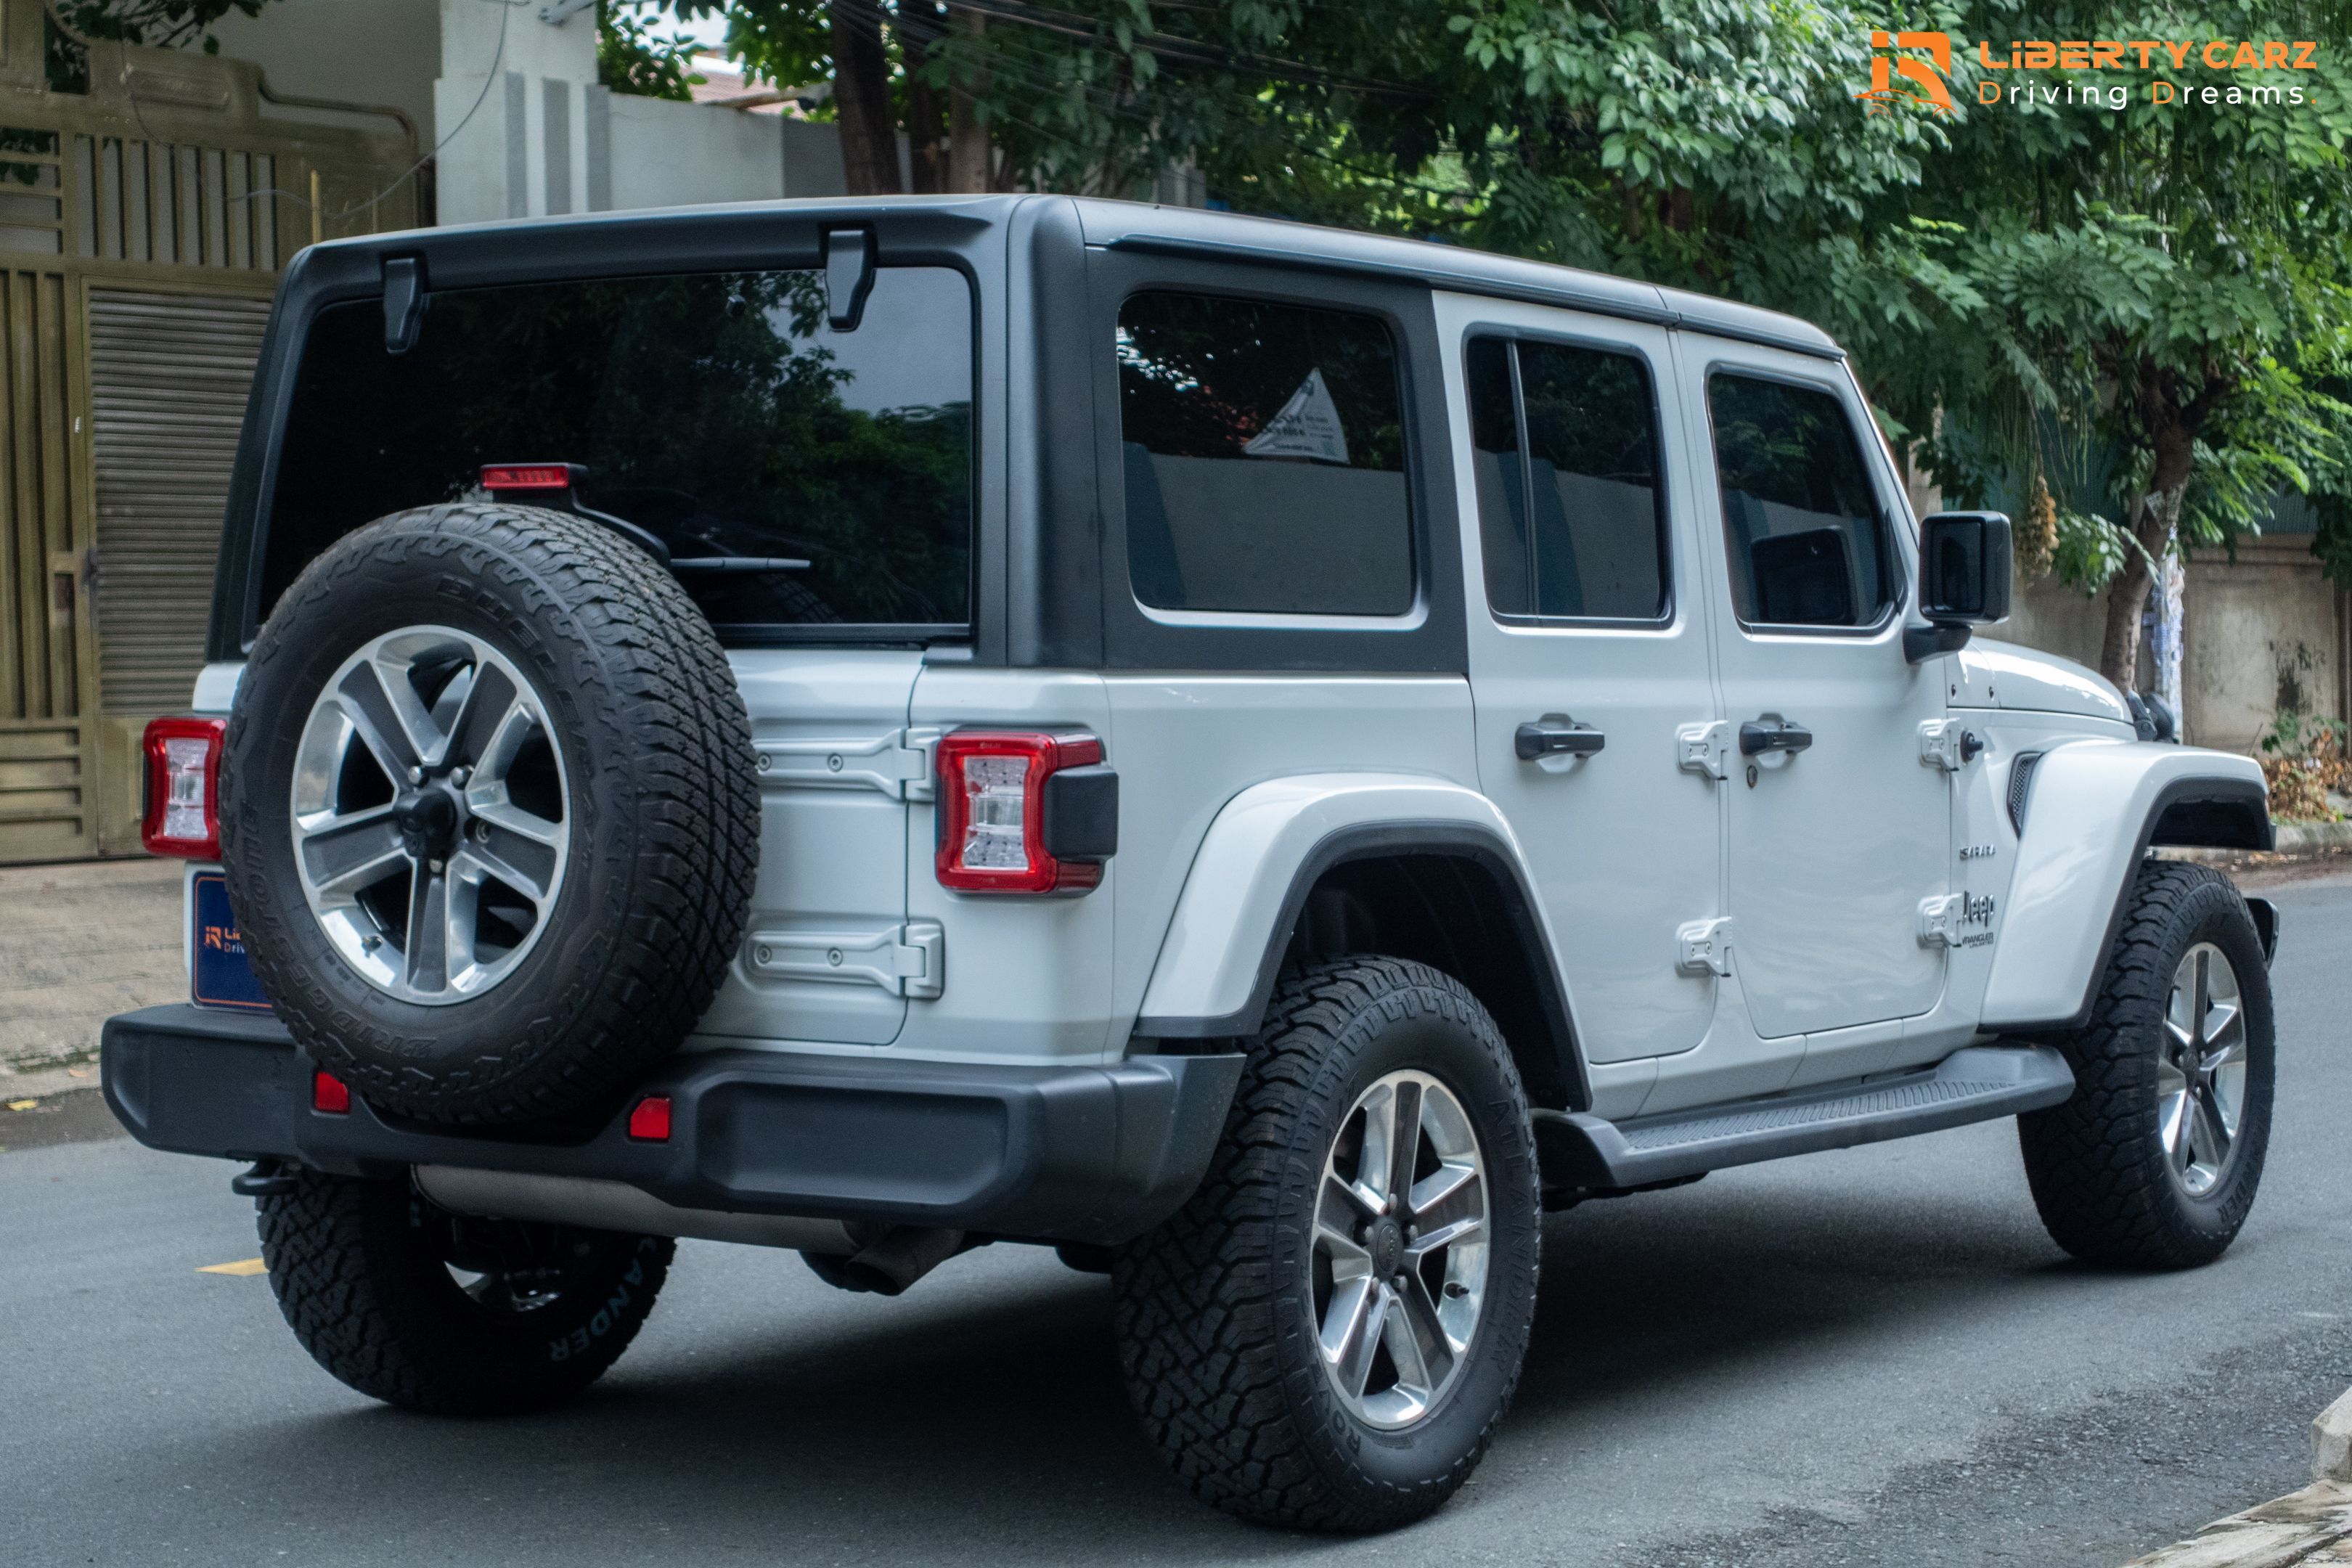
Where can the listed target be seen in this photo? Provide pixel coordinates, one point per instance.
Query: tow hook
(268, 1179)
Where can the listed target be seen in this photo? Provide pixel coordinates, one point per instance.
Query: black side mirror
(1964, 574)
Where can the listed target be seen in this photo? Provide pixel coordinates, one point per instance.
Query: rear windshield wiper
(556, 486)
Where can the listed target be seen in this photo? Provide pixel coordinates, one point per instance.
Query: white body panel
(2082, 821)
(1828, 850)
(1232, 899)
(1615, 899)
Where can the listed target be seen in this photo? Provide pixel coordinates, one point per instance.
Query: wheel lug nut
(417, 776)
(459, 777)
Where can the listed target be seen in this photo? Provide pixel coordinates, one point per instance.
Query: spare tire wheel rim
(429, 814)
(1397, 1269)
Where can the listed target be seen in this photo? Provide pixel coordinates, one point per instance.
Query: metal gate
(142, 227)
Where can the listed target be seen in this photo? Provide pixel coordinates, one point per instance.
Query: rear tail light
(182, 784)
(1023, 813)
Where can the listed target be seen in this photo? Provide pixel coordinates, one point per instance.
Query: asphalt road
(1866, 1357)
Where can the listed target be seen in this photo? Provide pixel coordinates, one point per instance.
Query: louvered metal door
(169, 374)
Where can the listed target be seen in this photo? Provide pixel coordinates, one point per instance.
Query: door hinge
(1704, 947)
(1702, 748)
(1948, 744)
(909, 960)
(1936, 915)
(899, 764)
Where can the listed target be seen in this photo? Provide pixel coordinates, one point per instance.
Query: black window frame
(601, 247)
(1893, 585)
(1429, 636)
(1671, 578)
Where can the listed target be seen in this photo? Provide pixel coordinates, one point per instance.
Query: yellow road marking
(23, 1104)
(243, 1269)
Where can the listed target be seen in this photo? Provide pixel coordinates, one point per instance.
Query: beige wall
(2261, 634)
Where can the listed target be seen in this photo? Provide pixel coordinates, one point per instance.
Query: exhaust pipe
(889, 1258)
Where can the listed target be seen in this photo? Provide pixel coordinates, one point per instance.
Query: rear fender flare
(1265, 853)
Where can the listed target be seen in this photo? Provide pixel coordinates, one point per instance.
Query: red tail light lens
(498, 477)
(649, 1120)
(182, 788)
(330, 1094)
(992, 815)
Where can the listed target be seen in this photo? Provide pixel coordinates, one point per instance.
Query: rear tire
(1223, 1314)
(362, 1270)
(2155, 1161)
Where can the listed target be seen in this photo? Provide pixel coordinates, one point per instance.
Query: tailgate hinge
(899, 764)
(1702, 748)
(909, 960)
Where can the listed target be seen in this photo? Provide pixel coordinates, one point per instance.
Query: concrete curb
(2313, 1526)
(2312, 838)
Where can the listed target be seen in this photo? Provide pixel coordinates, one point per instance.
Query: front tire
(1327, 1335)
(534, 1314)
(2155, 1161)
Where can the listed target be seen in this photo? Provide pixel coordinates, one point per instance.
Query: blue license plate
(220, 975)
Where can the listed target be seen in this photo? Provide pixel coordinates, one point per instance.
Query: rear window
(1264, 449)
(719, 411)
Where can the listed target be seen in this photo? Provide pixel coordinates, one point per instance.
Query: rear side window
(719, 411)
(1264, 455)
(1571, 511)
(1802, 525)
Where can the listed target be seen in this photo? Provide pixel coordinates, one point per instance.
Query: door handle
(1756, 737)
(1569, 740)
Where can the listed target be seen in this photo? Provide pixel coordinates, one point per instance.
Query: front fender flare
(1263, 854)
(2093, 809)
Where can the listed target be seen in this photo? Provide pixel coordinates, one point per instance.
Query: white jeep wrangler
(1263, 758)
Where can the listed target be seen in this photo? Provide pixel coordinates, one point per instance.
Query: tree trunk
(926, 120)
(2154, 518)
(969, 156)
(861, 96)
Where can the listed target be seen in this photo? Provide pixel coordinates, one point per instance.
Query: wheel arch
(1435, 876)
(2093, 812)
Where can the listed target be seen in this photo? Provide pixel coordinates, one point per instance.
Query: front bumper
(1092, 1154)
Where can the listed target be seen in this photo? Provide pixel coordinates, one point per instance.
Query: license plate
(220, 975)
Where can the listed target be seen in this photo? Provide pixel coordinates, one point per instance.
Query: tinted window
(718, 411)
(1264, 449)
(1800, 521)
(1570, 510)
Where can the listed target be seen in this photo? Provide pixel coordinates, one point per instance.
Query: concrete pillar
(526, 126)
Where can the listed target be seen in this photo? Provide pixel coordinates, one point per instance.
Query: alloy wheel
(429, 823)
(1399, 1262)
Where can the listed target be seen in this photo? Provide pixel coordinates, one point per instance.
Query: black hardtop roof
(1118, 225)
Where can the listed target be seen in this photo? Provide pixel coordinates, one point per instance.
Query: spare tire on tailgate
(490, 813)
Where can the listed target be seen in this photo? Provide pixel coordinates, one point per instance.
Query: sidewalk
(79, 942)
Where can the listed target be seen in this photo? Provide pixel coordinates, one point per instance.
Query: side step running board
(1976, 1083)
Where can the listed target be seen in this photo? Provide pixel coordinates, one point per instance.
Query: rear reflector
(650, 1123)
(182, 784)
(330, 1094)
(527, 477)
(993, 812)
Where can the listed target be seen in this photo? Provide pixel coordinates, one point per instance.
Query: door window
(1571, 513)
(1803, 532)
(1263, 448)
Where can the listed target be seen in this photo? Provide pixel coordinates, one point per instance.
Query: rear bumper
(1079, 1153)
